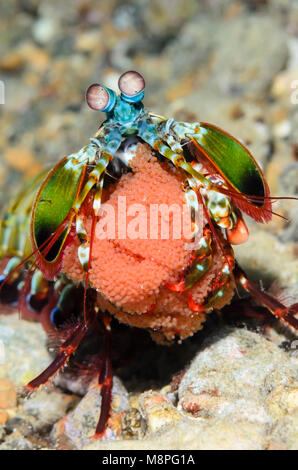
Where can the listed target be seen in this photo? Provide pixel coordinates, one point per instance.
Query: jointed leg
(199, 265)
(148, 134)
(219, 288)
(93, 178)
(67, 348)
(274, 306)
(105, 381)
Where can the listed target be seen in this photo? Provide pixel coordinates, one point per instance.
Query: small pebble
(19, 158)
(8, 396)
(3, 417)
(158, 411)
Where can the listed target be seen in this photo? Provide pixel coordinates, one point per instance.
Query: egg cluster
(130, 274)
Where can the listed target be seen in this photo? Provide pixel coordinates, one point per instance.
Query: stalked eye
(100, 98)
(132, 85)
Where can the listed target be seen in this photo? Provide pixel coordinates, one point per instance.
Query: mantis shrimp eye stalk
(132, 86)
(100, 98)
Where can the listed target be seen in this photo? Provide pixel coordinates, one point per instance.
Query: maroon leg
(66, 349)
(277, 309)
(105, 381)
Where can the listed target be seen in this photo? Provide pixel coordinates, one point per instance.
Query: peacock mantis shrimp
(56, 269)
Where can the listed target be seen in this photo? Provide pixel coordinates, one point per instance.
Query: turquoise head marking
(122, 110)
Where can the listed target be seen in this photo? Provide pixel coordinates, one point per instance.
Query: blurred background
(229, 62)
